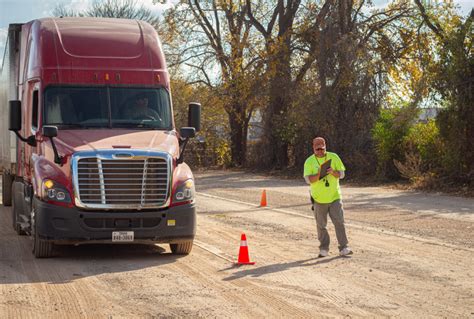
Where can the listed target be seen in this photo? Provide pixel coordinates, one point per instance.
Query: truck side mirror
(194, 115)
(50, 131)
(15, 122)
(15, 116)
(187, 132)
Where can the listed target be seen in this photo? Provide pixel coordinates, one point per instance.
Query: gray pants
(337, 216)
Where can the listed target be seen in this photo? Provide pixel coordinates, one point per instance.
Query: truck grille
(122, 183)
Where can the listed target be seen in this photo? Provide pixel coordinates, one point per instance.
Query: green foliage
(211, 147)
(222, 152)
(452, 70)
(389, 133)
(425, 139)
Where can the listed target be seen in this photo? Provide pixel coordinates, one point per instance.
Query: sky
(19, 11)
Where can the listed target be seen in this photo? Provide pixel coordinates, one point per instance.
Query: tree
(327, 52)
(454, 80)
(354, 58)
(127, 9)
(213, 39)
(278, 36)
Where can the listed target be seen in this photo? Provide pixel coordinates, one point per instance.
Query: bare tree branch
(438, 30)
(255, 22)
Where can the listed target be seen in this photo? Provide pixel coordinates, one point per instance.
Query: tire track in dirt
(432, 241)
(280, 277)
(39, 286)
(249, 298)
(380, 301)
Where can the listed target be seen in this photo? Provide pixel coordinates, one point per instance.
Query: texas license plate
(122, 236)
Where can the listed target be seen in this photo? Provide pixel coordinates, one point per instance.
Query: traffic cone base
(263, 200)
(244, 252)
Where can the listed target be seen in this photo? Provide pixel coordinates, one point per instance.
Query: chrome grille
(133, 182)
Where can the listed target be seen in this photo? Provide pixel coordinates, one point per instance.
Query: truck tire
(183, 248)
(16, 226)
(42, 248)
(7, 181)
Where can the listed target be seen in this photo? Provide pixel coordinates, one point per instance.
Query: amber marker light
(106, 76)
(157, 77)
(48, 183)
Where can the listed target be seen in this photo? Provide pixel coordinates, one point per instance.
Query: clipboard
(323, 168)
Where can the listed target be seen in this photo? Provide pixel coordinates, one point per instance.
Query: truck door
(31, 121)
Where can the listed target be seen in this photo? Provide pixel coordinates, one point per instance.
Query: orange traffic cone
(244, 252)
(263, 200)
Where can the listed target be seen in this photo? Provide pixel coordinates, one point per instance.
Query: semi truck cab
(97, 156)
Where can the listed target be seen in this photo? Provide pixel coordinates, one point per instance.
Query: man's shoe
(345, 251)
(323, 253)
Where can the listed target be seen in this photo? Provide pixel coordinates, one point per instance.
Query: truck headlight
(53, 191)
(184, 192)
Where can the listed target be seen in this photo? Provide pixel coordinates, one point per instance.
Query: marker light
(48, 183)
(106, 76)
(53, 191)
(185, 192)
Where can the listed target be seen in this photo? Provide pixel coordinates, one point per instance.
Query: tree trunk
(275, 117)
(238, 135)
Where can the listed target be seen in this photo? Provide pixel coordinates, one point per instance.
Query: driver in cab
(140, 110)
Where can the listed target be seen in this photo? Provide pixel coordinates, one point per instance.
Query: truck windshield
(82, 107)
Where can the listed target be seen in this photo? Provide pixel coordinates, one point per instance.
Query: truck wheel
(183, 248)
(41, 248)
(16, 226)
(7, 181)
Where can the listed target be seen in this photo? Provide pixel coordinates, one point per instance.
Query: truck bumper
(64, 225)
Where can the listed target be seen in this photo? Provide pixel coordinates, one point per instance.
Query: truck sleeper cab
(98, 156)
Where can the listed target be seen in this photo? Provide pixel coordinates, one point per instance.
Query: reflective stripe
(243, 243)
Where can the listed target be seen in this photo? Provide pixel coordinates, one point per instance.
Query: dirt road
(413, 258)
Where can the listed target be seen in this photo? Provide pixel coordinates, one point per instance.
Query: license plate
(122, 236)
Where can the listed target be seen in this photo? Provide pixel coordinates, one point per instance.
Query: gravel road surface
(413, 257)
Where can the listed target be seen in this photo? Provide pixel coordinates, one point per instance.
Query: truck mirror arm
(57, 159)
(182, 143)
(30, 140)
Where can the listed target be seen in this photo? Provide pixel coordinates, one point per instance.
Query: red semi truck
(97, 157)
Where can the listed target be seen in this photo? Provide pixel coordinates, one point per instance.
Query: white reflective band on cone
(243, 243)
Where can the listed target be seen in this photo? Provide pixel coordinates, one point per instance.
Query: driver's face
(142, 101)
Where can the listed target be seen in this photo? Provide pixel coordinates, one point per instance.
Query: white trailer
(10, 87)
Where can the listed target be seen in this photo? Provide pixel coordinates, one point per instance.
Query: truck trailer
(89, 149)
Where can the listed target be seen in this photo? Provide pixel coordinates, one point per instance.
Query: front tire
(41, 247)
(183, 248)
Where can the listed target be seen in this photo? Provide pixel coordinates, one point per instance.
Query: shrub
(389, 133)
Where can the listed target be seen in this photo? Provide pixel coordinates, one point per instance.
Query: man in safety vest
(326, 194)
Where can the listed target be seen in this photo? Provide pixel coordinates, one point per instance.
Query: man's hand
(333, 172)
(313, 178)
